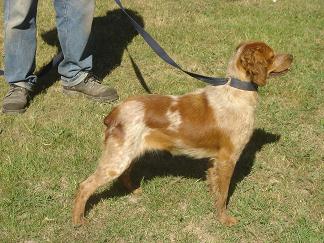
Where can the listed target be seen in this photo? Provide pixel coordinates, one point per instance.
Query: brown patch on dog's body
(198, 129)
(198, 116)
(215, 122)
(154, 117)
(160, 141)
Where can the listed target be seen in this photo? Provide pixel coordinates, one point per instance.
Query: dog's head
(256, 61)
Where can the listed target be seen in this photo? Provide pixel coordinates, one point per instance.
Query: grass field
(277, 192)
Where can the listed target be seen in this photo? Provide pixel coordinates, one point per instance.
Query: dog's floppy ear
(255, 64)
(240, 45)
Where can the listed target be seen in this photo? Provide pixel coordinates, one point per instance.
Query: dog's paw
(227, 219)
(138, 191)
(78, 221)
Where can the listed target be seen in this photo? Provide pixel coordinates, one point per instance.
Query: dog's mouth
(278, 74)
(281, 65)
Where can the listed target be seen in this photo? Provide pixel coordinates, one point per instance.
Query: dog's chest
(234, 113)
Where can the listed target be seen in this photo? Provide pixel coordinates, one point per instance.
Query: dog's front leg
(219, 178)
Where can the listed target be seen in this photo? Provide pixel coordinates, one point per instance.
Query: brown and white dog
(215, 122)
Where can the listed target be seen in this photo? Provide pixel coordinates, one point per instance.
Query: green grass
(277, 192)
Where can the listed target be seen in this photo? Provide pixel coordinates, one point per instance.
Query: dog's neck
(234, 71)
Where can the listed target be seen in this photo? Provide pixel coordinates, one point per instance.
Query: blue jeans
(73, 21)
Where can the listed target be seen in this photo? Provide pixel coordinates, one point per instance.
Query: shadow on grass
(245, 163)
(110, 36)
(164, 164)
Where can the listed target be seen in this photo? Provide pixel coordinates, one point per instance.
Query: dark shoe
(16, 100)
(93, 89)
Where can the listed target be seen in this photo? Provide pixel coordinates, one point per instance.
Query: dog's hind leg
(115, 160)
(86, 189)
(219, 178)
(126, 180)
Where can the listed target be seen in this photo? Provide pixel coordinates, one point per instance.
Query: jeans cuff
(25, 85)
(75, 80)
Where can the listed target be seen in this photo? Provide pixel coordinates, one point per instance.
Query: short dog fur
(215, 122)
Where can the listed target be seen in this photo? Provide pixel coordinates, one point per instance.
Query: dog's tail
(114, 126)
(111, 119)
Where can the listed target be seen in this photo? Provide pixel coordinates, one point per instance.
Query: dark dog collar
(233, 82)
(244, 85)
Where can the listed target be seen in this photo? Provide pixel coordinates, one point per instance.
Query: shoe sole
(5, 111)
(98, 99)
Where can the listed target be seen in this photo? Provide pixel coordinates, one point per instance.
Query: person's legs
(74, 21)
(20, 49)
(20, 40)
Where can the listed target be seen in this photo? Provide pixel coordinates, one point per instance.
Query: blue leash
(236, 83)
